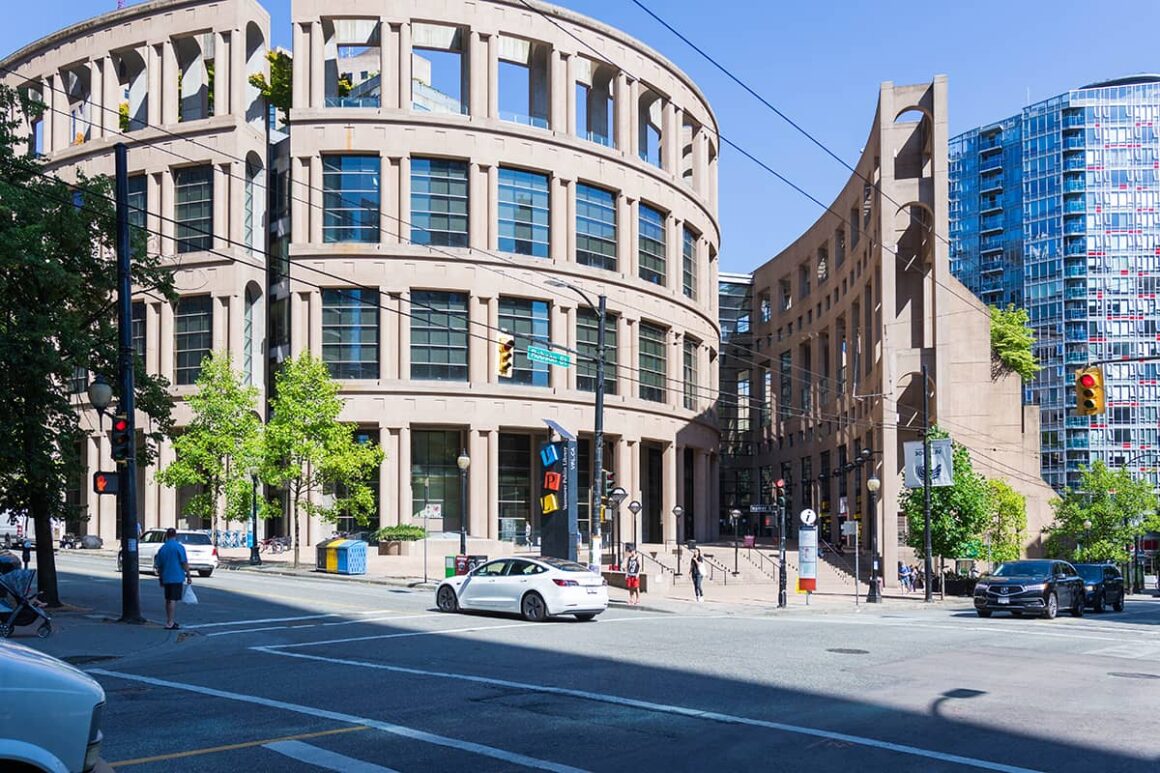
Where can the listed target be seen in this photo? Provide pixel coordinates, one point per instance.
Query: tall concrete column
(570, 338)
(478, 352)
(477, 483)
(477, 75)
(156, 204)
(634, 119)
(300, 90)
(492, 324)
(701, 163)
(634, 532)
(50, 142)
(315, 323)
(389, 477)
(558, 326)
(223, 67)
(674, 254)
(402, 204)
(477, 221)
(153, 336)
(492, 208)
(670, 139)
(317, 65)
(300, 203)
(239, 79)
(557, 91)
(713, 530)
(625, 249)
(221, 206)
(392, 325)
(96, 100)
(701, 489)
(558, 229)
(493, 483)
(167, 496)
(154, 97)
(622, 121)
(235, 327)
(632, 254)
(570, 126)
(221, 322)
(235, 225)
(404, 345)
(170, 96)
(493, 76)
(390, 229)
(405, 66)
(712, 167)
(299, 320)
(315, 211)
(626, 367)
(165, 346)
(569, 221)
(405, 506)
(167, 208)
(674, 367)
(388, 55)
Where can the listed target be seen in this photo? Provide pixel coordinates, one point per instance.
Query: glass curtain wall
(438, 336)
(350, 333)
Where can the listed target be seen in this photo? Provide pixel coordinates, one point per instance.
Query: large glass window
(435, 475)
(528, 321)
(439, 202)
(690, 369)
(595, 227)
(653, 363)
(193, 188)
(524, 212)
(652, 245)
(193, 330)
(689, 263)
(586, 331)
(515, 488)
(346, 523)
(350, 198)
(350, 332)
(438, 336)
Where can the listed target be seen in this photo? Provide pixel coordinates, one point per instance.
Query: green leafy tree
(1006, 523)
(57, 316)
(310, 453)
(278, 91)
(1099, 520)
(958, 512)
(1011, 342)
(220, 445)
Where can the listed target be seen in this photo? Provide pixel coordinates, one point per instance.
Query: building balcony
(1074, 184)
(1075, 247)
(1076, 293)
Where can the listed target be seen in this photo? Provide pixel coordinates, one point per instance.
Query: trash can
(342, 556)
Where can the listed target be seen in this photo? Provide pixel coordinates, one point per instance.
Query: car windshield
(1092, 572)
(563, 564)
(1023, 569)
(193, 539)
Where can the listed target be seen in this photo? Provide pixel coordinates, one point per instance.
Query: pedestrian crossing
(324, 758)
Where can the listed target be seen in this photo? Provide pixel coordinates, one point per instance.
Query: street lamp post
(255, 557)
(634, 507)
(464, 461)
(873, 484)
(600, 308)
(426, 521)
(735, 517)
(679, 511)
(615, 497)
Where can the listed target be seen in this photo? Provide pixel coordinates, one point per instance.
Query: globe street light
(735, 515)
(634, 507)
(678, 511)
(615, 497)
(464, 461)
(100, 394)
(873, 484)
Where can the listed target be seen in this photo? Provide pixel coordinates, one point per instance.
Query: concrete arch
(255, 106)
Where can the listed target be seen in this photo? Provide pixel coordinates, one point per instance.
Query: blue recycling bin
(342, 556)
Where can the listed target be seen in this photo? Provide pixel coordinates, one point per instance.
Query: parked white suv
(50, 714)
(199, 550)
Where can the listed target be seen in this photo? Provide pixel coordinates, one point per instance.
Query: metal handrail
(846, 564)
(658, 562)
(772, 571)
(714, 564)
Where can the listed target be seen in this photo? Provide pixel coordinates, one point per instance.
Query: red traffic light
(1087, 380)
(779, 484)
(120, 425)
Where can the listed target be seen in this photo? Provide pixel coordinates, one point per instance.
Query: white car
(537, 588)
(50, 714)
(199, 550)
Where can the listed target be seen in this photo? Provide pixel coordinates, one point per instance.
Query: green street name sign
(549, 357)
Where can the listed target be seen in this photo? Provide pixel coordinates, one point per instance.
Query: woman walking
(696, 569)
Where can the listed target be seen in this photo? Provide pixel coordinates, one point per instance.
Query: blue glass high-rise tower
(1056, 210)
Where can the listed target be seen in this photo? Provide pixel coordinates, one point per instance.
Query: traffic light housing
(1089, 391)
(779, 492)
(506, 349)
(609, 482)
(120, 450)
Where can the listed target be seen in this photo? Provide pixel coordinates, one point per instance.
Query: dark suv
(1103, 586)
(1039, 587)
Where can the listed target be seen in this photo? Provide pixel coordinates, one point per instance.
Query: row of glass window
(440, 341)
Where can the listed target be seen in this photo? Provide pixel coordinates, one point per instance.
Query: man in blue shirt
(172, 568)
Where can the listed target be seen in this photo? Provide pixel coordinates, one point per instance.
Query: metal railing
(761, 561)
(715, 568)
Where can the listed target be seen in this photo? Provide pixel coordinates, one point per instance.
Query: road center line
(386, 727)
(663, 708)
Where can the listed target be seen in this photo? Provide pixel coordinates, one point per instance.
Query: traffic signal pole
(597, 490)
(127, 493)
(926, 546)
(781, 579)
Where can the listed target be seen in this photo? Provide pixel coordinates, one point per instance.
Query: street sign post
(763, 508)
(549, 357)
(848, 528)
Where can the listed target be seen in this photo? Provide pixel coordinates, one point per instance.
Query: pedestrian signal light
(120, 450)
(1089, 391)
(106, 482)
(506, 348)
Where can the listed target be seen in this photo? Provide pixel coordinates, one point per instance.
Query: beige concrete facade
(656, 145)
(849, 314)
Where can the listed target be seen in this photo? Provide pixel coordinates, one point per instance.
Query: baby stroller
(19, 604)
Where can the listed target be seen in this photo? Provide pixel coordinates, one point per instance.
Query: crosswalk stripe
(324, 758)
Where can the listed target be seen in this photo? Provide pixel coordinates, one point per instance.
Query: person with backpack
(632, 575)
(696, 570)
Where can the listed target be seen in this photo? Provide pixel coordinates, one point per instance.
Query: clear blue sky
(821, 63)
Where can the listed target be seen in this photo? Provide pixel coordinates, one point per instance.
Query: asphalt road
(293, 674)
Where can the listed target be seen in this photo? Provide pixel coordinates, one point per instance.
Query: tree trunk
(46, 580)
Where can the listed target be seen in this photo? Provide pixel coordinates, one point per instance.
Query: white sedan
(537, 588)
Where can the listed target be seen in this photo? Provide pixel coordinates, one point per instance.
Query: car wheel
(534, 608)
(1051, 606)
(983, 612)
(1100, 603)
(1077, 606)
(446, 599)
(204, 572)
(585, 617)
(1119, 605)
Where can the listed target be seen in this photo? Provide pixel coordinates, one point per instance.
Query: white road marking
(320, 625)
(997, 630)
(663, 708)
(324, 758)
(260, 620)
(337, 716)
(1142, 651)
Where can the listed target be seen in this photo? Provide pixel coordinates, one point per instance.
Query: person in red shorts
(632, 574)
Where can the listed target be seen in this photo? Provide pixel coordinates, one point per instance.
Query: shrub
(402, 533)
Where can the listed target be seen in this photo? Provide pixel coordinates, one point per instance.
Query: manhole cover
(1131, 675)
(84, 660)
(847, 651)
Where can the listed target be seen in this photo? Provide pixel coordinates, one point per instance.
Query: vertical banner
(807, 558)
